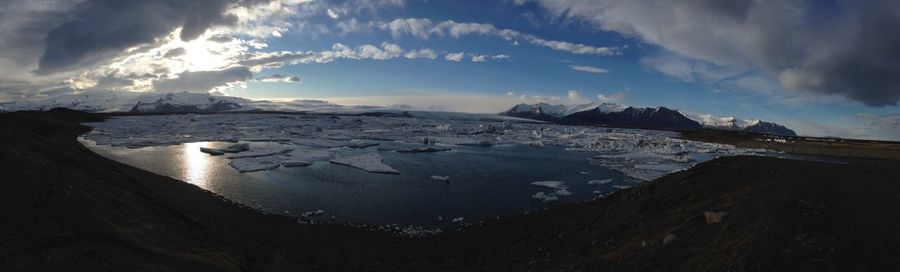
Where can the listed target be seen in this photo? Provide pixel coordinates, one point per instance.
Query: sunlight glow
(196, 164)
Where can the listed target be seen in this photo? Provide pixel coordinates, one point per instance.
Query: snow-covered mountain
(732, 123)
(548, 112)
(768, 128)
(609, 114)
(187, 102)
(123, 101)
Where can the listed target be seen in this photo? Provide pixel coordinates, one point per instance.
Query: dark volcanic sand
(63, 208)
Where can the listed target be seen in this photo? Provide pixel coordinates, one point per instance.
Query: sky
(822, 68)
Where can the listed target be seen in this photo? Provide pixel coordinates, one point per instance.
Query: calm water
(485, 182)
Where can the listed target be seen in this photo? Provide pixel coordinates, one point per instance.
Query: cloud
(424, 28)
(846, 48)
(101, 29)
(421, 53)
(574, 95)
(457, 57)
(483, 58)
(588, 69)
(885, 127)
(203, 81)
(615, 97)
(279, 78)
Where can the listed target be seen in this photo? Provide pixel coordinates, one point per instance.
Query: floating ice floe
(295, 163)
(621, 187)
(551, 184)
(441, 178)
(230, 149)
(559, 187)
(212, 151)
(370, 162)
(254, 164)
(546, 198)
(361, 144)
(313, 213)
(600, 181)
(457, 220)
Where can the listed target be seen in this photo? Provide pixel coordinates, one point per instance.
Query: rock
(714, 217)
(669, 238)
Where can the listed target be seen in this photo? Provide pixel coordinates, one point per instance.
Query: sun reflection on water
(196, 164)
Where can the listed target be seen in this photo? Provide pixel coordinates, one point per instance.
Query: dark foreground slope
(65, 208)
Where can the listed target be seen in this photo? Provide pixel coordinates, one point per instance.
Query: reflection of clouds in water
(196, 164)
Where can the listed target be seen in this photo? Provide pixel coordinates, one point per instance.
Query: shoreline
(69, 208)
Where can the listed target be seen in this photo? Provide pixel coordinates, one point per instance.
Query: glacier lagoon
(483, 182)
(449, 169)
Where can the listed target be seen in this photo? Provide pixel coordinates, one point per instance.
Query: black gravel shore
(64, 208)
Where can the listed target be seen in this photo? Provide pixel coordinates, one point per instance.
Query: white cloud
(421, 53)
(615, 97)
(574, 95)
(331, 13)
(423, 28)
(455, 56)
(588, 69)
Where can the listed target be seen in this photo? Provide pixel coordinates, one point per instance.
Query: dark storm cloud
(849, 48)
(202, 81)
(99, 29)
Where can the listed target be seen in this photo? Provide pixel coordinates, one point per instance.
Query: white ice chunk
(254, 164)
(600, 181)
(312, 213)
(370, 162)
(546, 198)
(621, 187)
(441, 178)
(457, 220)
(551, 184)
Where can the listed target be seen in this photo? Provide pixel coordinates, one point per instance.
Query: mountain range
(617, 115)
(603, 114)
